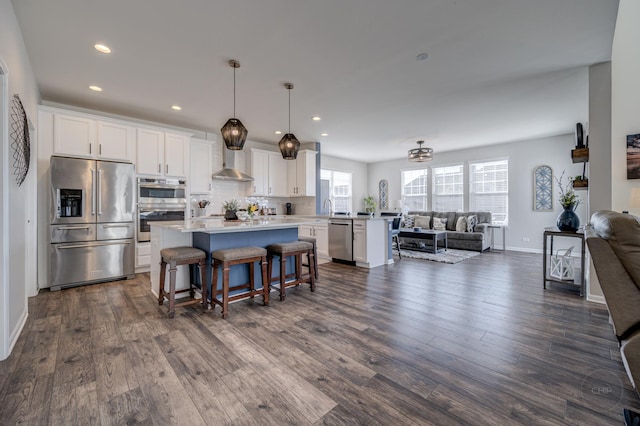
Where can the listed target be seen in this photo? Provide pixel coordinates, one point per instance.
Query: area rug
(449, 256)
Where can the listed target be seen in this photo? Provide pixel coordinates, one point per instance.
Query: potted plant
(568, 219)
(230, 208)
(580, 182)
(370, 204)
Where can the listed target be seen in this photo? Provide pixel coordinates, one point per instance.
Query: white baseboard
(15, 333)
(596, 299)
(525, 250)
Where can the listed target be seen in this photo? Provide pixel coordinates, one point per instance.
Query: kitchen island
(209, 234)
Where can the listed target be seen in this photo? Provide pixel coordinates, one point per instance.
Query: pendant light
(420, 154)
(289, 145)
(233, 132)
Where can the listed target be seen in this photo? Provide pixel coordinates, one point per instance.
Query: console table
(549, 235)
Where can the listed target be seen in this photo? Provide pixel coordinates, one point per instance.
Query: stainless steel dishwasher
(341, 239)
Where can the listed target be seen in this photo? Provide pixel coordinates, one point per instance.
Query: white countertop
(217, 225)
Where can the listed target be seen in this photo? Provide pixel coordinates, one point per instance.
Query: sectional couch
(614, 246)
(478, 239)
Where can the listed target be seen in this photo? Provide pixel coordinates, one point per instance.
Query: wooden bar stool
(296, 249)
(181, 256)
(315, 253)
(237, 256)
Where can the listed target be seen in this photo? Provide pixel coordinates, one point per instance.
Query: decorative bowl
(242, 215)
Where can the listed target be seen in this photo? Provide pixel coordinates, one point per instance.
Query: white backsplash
(223, 191)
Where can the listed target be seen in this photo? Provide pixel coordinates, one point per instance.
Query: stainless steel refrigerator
(92, 222)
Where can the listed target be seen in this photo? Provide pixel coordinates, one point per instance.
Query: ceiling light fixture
(102, 48)
(420, 154)
(278, 132)
(289, 145)
(233, 132)
(96, 88)
(316, 118)
(176, 107)
(324, 134)
(422, 56)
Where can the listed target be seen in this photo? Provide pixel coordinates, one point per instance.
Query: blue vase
(568, 221)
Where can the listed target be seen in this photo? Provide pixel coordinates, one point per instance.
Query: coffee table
(427, 234)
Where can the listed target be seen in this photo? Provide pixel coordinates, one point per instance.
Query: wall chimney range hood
(229, 172)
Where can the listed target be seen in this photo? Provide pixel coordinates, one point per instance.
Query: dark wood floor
(416, 342)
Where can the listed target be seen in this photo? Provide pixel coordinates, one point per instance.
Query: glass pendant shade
(289, 146)
(234, 134)
(420, 154)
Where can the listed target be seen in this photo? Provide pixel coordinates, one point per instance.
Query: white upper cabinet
(74, 136)
(277, 175)
(150, 152)
(269, 171)
(79, 136)
(302, 175)
(116, 141)
(201, 165)
(161, 154)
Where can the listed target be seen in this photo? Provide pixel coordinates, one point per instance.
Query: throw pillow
(422, 221)
(461, 225)
(439, 224)
(408, 221)
(472, 221)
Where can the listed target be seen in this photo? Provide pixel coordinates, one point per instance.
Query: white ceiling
(498, 70)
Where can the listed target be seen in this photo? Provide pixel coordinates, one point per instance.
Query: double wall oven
(159, 200)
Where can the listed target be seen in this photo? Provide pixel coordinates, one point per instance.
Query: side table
(549, 234)
(504, 239)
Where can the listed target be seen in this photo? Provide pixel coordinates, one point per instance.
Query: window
(448, 188)
(489, 189)
(340, 189)
(414, 189)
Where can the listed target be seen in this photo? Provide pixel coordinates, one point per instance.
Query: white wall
(17, 222)
(360, 178)
(523, 158)
(625, 92)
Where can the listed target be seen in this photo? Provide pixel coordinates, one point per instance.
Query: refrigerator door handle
(67, 247)
(116, 226)
(93, 192)
(99, 186)
(70, 228)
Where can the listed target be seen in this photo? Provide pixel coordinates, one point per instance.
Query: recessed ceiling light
(324, 134)
(176, 107)
(96, 88)
(102, 48)
(278, 132)
(422, 56)
(316, 118)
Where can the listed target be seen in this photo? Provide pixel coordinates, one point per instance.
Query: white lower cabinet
(370, 242)
(143, 256)
(360, 241)
(320, 232)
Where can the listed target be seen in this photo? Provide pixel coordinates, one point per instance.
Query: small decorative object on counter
(568, 221)
(230, 207)
(252, 209)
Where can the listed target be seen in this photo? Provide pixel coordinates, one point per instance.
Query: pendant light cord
(234, 92)
(289, 111)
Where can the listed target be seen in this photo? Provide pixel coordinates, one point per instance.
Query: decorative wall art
(20, 143)
(383, 193)
(633, 156)
(543, 189)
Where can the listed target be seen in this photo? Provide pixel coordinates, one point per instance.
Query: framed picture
(543, 189)
(633, 156)
(383, 194)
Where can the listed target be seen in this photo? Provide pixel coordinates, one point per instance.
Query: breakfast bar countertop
(217, 225)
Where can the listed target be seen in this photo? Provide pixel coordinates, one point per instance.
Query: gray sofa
(478, 240)
(614, 246)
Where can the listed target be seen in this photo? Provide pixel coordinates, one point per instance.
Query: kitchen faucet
(324, 205)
